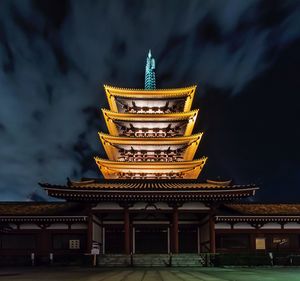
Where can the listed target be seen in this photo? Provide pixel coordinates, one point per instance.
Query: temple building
(151, 198)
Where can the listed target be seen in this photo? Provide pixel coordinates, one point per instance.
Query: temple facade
(150, 199)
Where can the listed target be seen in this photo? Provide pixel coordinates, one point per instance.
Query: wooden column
(44, 241)
(212, 234)
(175, 244)
(90, 233)
(252, 242)
(126, 231)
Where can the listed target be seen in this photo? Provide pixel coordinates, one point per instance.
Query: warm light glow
(150, 149)
(150, 125)
(150, 135)
(118, 169)
(121, 99)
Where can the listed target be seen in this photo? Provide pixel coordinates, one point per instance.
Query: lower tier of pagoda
(150, 170)
(149, 190)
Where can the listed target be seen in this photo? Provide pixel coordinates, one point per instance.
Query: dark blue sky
(56, 55)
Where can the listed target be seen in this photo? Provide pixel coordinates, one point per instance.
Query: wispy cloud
(53, 65)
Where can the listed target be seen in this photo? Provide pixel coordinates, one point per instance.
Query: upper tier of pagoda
(150, 101)
(150, 125)
(150, 132)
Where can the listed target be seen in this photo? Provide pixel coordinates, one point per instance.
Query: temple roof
(40, 208)
(265, 209)
(150, 125)
(151, 117)
(156, 149)
(122, 170)
(149, 190)
(42, 212)
(259, 214)
(114, 94)
(152, 185)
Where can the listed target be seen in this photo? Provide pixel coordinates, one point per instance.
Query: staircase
(114, 260)
(152, 260)
(188, 260)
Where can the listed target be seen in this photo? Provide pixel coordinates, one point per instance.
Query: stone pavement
(150, 274)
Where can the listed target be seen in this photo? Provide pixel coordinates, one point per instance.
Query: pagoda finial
(150, 83)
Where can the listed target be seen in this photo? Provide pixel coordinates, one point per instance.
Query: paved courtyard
(151, 274)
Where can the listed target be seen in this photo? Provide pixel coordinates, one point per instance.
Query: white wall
(58, 226)
(222, 225)
(13, 226)
(78, 226)
(29, 226)
(97, 233)
(271, 225)
(193, 206)
(143, 206)
(243, 225)
(292, 225)
(107, 206)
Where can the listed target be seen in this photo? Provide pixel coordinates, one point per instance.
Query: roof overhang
(160, 193)
(257, 218)
(118, 96)
(158, 125)
(121, 148)
(150, 170)
(43, 219)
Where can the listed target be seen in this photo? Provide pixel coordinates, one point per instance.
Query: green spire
(150, 83)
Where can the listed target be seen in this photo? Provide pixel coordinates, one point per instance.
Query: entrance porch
(153, 231)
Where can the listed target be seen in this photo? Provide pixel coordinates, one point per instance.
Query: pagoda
(150, 191)
(150, 132)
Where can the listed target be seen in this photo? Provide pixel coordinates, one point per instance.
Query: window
(17, 241)
(260, 243)
(232, 241)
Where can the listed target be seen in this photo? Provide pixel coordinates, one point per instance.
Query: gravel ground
(151, 274)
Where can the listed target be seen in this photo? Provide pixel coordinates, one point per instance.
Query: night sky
(56, 55)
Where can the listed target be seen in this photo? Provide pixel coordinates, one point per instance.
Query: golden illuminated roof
(100, 184)
(152, 190)
(155, 101)
(150, 170)
(150, 149)
(150, 125)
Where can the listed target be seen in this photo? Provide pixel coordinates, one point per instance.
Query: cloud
(55, 56)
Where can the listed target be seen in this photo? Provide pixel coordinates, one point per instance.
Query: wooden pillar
(252, 242)
(44, 241)
(133, 239)
(212, 234)
(90, 233)
(175, 243)
(198, 241)
(126, 231)
(169, 241)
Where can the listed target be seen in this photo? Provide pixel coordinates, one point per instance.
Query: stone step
(151, 260)
(114, 260)
(188, 260)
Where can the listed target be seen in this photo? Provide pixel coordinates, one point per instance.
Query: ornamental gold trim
(112, 92)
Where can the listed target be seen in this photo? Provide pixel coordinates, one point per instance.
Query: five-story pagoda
(150, 191)
(150, 132)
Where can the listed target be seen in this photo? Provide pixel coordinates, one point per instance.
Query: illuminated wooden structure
(151, 149)
(150, 126)
(150, 101)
